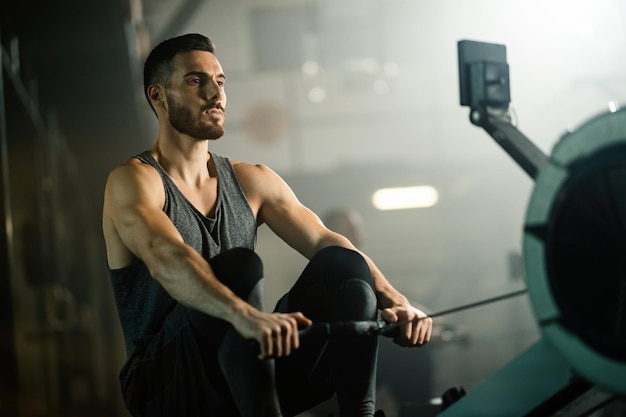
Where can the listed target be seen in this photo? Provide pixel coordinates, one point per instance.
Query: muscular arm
(136, 227)
(302, 229)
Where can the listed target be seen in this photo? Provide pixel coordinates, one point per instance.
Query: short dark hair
(158, 68)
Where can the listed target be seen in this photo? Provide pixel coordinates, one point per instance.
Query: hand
(417, 326)
(276, 333)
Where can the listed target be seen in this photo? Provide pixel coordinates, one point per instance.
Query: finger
(295, 336)
(389, 315)
(415, 335)
(422, 331)
(287, 338)
(412, 329)
(277, 342)
(266, 348)
(425, 326)
(409, 332)
(421, 334)
(429, 330)
(291, 335)
(302, 320)
(405, 335)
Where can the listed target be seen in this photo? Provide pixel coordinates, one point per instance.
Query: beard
(185, 122)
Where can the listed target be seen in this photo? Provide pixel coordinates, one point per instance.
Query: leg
(172, 377)
(198, 365)
(251, 382)
(335, 286)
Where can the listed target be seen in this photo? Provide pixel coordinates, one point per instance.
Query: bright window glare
(405, 197)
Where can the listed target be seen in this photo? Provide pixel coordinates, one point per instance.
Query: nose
(214, 90)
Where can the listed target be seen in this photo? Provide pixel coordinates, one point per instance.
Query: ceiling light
(398, 198)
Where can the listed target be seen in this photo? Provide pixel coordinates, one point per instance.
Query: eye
(194, 81)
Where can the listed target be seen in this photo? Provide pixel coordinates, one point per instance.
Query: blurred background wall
(341, 98)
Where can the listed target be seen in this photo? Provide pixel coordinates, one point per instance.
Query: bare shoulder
(132, 169)
(133, 180)
(257, 177)
(247, 168)
(263, 187)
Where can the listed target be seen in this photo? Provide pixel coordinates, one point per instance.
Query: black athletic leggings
(198, 365)
(336, 285)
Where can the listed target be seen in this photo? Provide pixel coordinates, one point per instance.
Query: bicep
(143, 228)
(292, 221)
(296, 225)
(133, 204)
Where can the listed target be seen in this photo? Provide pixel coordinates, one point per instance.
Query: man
(180, 223)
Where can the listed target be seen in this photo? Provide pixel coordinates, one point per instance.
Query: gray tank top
(141, 301)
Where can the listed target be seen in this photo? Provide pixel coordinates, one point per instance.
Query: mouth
(217, 110)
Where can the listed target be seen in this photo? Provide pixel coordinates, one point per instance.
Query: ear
(156, 95)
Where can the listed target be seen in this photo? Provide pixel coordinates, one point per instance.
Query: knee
(240, 269)
(349, 283)
(343, 264)
(243, 260)
(354, 299)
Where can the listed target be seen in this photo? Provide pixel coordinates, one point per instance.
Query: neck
(184, 158)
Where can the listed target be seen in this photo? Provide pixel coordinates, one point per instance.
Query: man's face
(196, 99)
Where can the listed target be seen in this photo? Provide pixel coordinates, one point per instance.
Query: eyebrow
(204, 74)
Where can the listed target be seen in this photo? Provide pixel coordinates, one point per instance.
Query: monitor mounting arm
(484, 85)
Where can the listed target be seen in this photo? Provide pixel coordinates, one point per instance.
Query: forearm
(189, 279)
(386, 294)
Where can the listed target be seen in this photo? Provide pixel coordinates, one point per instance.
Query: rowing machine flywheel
(575, 249)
